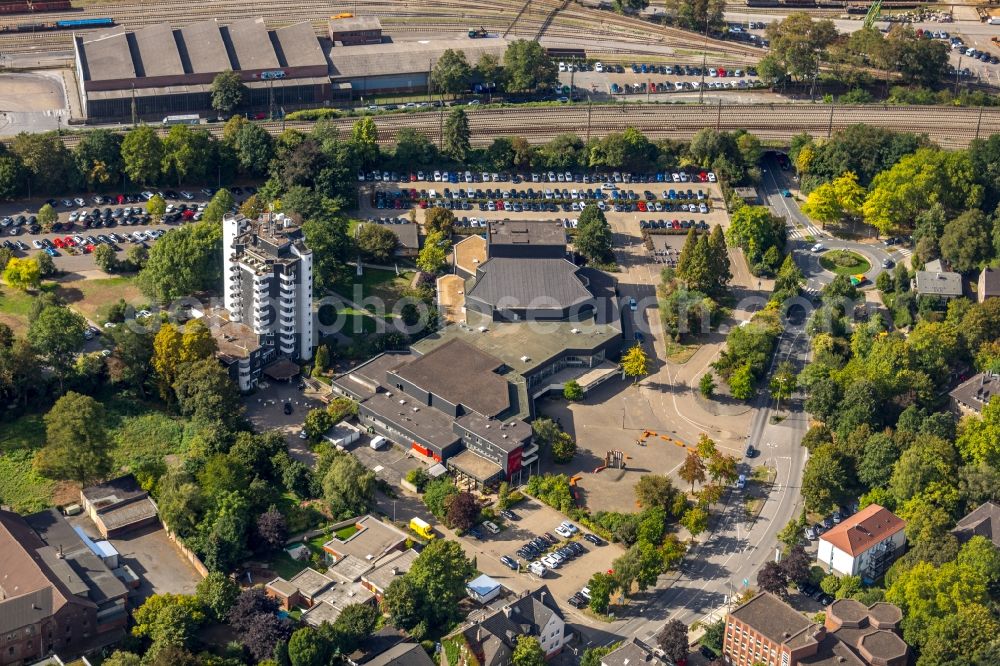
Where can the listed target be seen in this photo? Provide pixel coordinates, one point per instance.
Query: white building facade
(865, 544)
(267, 286)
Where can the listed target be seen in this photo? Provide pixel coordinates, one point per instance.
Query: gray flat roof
(523, 346)
(508, 435)
(104, 53)
(80, 560)
(204, 48)
(427, 424)
(539, 284)
(299, 45)
(406, 57)
(461, 374)
(251, 45)
(355, 24)
(156, 51)
(514, 232)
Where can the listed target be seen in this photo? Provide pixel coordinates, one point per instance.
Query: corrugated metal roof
(251, 45)
(406, 57)
(299, 46)
(156, 50)
(205, 50)
(105, 55)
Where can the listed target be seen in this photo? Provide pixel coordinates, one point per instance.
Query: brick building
(57, 597)
(768, 631)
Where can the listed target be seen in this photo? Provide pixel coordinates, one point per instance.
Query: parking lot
(152, 557)
(651, 200)
(87, 221)
(536, 518)
(659, 80)
(265, 410)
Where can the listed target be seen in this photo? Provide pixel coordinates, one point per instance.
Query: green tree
(217, 594)
(206, 393)
(593, 237)
(355, 623)
(187, 154)
(46, 216)
(741, 382)
(635, 363)
(783, 382)
(251, 144)
(572, 390)
(222, 202)
(434, 254)
(528, 67)
(456, 142)
(156, 207)
(451, 73)
(46, 160)
(331, 249)
(528, 652)
(98, 157)
(185, 261)
(697, 15)
(56, 333)
(656, 490)
(439, 220)
(76, 442)
(364, 137)
(307, 647)
(436, 496)
(601, 586)
(755, 230)
(966, 242)
(105, 258)
(348, 486)
(168, 620)
(490, 70)
(828, 479)
(142, 154)
(593, 656)
(695, 520)
(706, 385)
(563, 448)
(228, 92)
(798, 43)
(13, 176)
(46, 267)
(413, 149)
(377, 242)
(23, 274)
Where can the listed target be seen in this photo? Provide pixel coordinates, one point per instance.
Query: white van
(378, 442)
(538, 569)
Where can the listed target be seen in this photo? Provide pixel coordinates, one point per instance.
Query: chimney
(506, 611)
(395, 571)
(479, 633)
(61, 556)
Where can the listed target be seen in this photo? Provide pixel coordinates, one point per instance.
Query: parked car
(594, 539)
(576, 601)
(509, 515)
(510, 562)
(751, 451)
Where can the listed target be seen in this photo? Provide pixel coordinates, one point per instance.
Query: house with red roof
(864, 544)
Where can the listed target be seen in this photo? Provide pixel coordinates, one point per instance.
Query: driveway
(265, 410)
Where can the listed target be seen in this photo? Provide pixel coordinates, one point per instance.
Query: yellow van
(422, 528)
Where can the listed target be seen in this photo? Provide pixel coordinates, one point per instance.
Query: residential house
(864, 544)
(388, 569)
(632, 653)
(984, 521)
(971, 396)
(943, 284)
(370, 540)
(493, 638)
(988, 285)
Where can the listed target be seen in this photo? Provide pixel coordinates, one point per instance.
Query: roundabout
(844, 262)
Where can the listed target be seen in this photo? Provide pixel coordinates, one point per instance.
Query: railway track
(948, 127)
(552, 18)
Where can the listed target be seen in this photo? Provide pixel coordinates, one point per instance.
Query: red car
(58, 242)
(423, 203)
(722, 72)
(188, 214)
(121, 199)
(88, 248)
(642, 206)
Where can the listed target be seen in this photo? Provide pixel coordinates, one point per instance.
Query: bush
(554, 490)
(572, 390)
(313, 114)
(418, 477)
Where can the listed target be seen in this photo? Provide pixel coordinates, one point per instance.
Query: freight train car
(74, 24)
(32, 6)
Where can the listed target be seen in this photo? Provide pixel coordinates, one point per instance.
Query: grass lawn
(844, 262)
(15, 305)
(346, 532)
(93, 298)
(138, 433)
(376, 283)
(285, 566)
(681, 353)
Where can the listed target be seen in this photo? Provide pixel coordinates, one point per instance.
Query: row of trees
(525, 68)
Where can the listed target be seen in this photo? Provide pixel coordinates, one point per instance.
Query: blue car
(476, 533)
